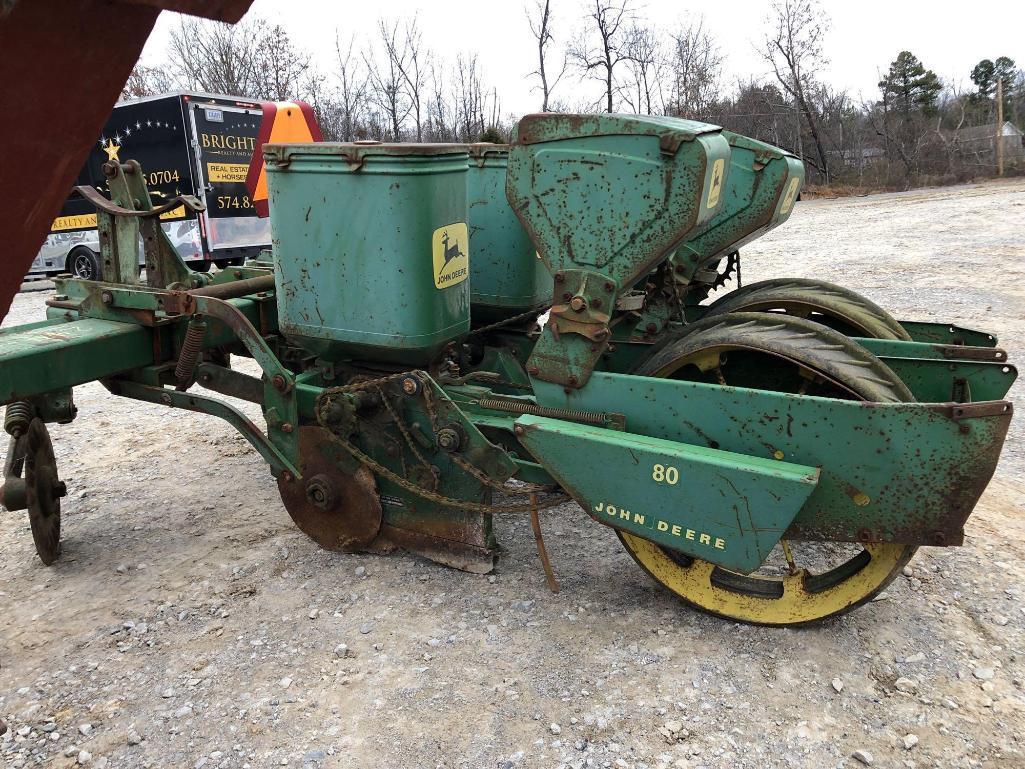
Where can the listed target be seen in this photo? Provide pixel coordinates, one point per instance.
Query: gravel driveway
(189, 624)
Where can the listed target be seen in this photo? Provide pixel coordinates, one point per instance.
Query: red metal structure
(63, 66)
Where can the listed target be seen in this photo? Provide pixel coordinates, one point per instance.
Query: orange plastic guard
(283, 122)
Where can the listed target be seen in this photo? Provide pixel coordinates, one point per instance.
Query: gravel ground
(189, 624)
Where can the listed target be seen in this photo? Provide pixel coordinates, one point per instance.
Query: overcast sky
(864, 35)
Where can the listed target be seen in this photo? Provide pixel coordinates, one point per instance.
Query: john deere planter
(774, 456)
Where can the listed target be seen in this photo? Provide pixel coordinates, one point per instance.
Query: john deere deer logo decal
(451, 252)
(451, 263)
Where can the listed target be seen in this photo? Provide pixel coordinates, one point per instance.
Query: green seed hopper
(775, 456)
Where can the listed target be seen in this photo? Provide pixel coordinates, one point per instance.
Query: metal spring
(189, 355)
(522, 407)
(17, 417)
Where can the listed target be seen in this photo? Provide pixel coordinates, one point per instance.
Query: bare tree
(793, 47)
(412, 63)
(696, 64)
(352, 89)
(146, 81)
(541, 28)
(598, 58)
(216, 57)
(645, 64)
(251, 59)
(280, 69)
(387, 84)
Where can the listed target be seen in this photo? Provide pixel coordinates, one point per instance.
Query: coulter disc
(337, 509)
(835, 306)
(43, 490)
(800, 581)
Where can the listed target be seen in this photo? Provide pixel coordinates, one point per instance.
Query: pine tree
(910, 87)
(987, 73)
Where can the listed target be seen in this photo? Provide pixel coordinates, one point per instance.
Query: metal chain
(411, 487)
(510, 321)
(404, 430)
(440, 498)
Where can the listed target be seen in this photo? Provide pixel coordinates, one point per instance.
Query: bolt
(578, 304)
(609, 286)
(939, 538)
(680, 268)
(280, 383)
(567, 296)
(518, 429)
(560, 278)
(409, 386)
(286, 427)
(572, 379)
(320, 492)
(286, 476)
(166, 399)
(106, 297)
(237, 274)
(596, 302)
(864, 535)
(651, 328)
(448, 439)
(206, 376)
(533, 370)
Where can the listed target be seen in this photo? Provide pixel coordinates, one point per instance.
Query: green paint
(726, 508)
(921, 469)
(506, 276)
(353, 227)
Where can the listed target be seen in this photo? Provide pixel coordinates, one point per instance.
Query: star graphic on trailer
(112, 149)
(138, 125)
(149, 123)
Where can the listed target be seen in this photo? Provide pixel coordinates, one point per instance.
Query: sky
(864, 36)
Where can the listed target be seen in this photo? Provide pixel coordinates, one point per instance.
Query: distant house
(980, 142)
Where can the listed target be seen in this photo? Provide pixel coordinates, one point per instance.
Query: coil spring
(189, 355)
(17, 417)
(521, 407)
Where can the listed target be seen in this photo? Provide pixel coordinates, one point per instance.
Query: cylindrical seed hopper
(371, 248)
(506, 275)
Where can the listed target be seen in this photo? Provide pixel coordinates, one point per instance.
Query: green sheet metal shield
(723, 507)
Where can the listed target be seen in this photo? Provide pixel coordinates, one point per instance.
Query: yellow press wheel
(800, 582)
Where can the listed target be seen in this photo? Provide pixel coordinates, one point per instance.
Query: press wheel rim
(770, 600)
(694, 585)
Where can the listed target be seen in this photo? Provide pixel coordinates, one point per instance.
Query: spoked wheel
(839, 308)
(31, 483)
(800, 581)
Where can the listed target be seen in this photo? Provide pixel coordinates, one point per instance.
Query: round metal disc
(43, 490)
(336, 509)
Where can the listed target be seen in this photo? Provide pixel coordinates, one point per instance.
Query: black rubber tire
(200, 266)
(846, 310)
(84, 263)
(222, 264)
(797, 339)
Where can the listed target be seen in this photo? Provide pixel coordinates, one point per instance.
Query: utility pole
(1000, 127)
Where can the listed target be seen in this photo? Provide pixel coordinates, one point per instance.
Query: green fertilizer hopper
(774, 456)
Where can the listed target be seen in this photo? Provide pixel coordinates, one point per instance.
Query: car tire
(84, 263)
(222, 264)
(200, 266)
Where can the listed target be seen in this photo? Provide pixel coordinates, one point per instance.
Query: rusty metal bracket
(962, 352)
(108, 206)
(959, 411)
(277, 460)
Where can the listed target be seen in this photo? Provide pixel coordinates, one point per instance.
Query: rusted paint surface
(338, 509)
